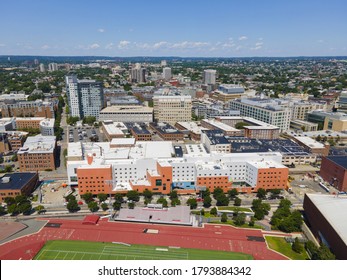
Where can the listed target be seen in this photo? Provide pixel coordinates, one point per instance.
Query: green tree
(102, 197)
(147, 194)
(207, 202)
(261, 193)
(217, 192)
(224, 218)
(87, 197)
(213, 211)
(2, 210)
(40, 209)
(13, 209)
(9, 200)
(233, 193)
(104, 206)
(173, 195)
(239, 219)
(118, 197)
(162, 201)
(131, 205)
(237, 201)
(240, 125)
(251, 222)
(147, 200)
(72, 205)
(93, 206)
(133, 195)
(205, 193)
(325, 254)
(202, 212)
(25, 208)
(175, 201)
(296, 246)
(19, 199)
(89, 120)
(117, 205)
(222, 200)
(192, 202)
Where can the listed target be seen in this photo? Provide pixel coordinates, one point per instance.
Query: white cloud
(2, 45)
(259, 44)
(188, 45)
(160, 45)
(94, 46)
(320, 41)
(123, 44)
(242, 38)
(109, 46)
(45, 47)
(101, 30)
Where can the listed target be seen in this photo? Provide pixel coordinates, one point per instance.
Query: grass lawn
(229, 222)
(280, 245)
(234, 208)
(83, 250)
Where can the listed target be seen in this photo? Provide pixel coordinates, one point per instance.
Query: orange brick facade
(212, 183)
(272, 178)
(94, 180)
(158, 183)
(36, 162)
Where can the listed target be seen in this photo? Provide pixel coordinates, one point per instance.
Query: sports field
(81, 250)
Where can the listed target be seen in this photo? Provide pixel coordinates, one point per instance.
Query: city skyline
(186, 29)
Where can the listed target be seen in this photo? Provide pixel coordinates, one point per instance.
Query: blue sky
(174, 28)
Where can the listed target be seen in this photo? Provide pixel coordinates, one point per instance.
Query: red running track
(210, 237)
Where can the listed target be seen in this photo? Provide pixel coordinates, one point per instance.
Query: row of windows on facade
(10, 193)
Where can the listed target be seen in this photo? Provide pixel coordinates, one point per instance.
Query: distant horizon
(175, 56)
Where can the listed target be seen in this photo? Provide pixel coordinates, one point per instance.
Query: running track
(210, 237)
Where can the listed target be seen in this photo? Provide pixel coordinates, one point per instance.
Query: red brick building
(334, 171)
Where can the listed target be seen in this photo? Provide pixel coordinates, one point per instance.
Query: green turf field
(81, 250)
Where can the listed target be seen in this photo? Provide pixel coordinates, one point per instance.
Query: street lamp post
(111, 183)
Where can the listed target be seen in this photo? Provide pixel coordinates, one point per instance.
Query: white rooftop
(123, 141)
(309, 142)
(266, 164)
(196, 149)
(129, 108)
(112, 129)
(334, 210)
(38, 144)
(221, 125)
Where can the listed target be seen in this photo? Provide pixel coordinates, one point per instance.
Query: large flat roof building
(266, 110)
(127, 113)
(326, 215)
(14, 184)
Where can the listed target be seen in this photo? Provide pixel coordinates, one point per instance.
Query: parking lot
(84, 133)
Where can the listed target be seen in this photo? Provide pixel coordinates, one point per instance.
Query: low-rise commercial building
(227, 92)
(192, 129)
(167, 132)
(113, 129)
(37, 154)
(139, 131)
(217, 125)
(301, 125)
(17, 183)
(128, 113)
(215, 141)
(37, 108)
